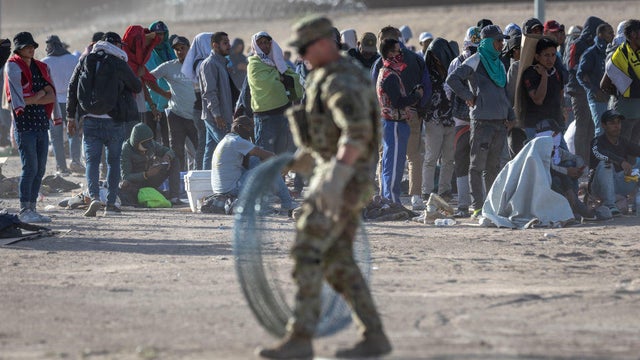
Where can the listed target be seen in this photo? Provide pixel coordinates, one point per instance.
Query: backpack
(97, 91)
(11, 226)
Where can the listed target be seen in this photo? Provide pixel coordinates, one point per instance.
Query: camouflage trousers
(323, 249)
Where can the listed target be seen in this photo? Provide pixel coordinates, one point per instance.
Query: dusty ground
(160, 284)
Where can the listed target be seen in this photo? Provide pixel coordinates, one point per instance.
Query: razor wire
(258, 243)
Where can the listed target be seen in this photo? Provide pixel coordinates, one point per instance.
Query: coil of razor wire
(254, 250)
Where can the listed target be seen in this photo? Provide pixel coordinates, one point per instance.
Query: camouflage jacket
(340, 108)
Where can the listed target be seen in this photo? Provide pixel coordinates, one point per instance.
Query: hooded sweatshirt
(161, 53)
(591, 69)
(440, 109)
(134, 162)
(576, 48)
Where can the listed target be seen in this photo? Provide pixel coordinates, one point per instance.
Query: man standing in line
(414, 73)
(180, 118)
(480, 81)
(217, 98)
(342, 136)
(626, 63)
(579, 102)
(272, 85)
(105, 129)
(590, 72)
(61, 62)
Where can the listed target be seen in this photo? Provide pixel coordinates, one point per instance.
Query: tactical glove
(327, 187)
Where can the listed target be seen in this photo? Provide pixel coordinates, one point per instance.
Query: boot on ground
(372, 345)
(293, 347)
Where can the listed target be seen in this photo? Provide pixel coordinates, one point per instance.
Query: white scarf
(275, 58)
(110, 49)
(199, 50)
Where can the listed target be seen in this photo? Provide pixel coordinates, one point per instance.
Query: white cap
(425, 36)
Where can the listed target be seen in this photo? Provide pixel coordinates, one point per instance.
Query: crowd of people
(452, 116)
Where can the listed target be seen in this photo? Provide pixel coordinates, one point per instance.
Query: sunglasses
(303, 49)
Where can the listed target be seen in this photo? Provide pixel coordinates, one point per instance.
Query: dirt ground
(161, 284)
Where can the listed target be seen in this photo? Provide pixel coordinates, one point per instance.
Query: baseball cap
(493, 32)
(310, 29)
(369, 42)
(531, 24)
(159, 26)
(112, 38)
(552, 26)
(425, 36)
(180, 40)
(610, 115)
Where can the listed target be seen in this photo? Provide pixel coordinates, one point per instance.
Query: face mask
(398, 58)
(141, 146)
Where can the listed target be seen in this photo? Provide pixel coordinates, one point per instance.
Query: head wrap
(55, 47)
(490, 58)
(275, 58)
(199, 50)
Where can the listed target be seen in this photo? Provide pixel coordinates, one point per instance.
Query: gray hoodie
(471, 80)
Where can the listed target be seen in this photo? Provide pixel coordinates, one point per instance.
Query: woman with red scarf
(29, 89)
(394, 101)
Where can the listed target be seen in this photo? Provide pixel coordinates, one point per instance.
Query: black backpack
(11, 226)
(97, 91)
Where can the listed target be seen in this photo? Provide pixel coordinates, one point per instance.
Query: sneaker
(461, 213)
(476, 214)
(43, 218)
(416, 203)
(112, 210)
(615, 212)
(93, 208)
(77, 168)
(29, 216)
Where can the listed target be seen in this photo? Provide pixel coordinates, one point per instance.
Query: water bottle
(444, 222)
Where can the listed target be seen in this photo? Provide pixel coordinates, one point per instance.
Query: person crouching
(147, 163)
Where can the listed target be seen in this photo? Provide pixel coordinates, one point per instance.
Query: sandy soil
(160, 284)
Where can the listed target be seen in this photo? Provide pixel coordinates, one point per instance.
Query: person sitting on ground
(233, 159)
(147, 163)
(609, 149)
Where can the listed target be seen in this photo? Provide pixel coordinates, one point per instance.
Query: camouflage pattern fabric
(341, 108)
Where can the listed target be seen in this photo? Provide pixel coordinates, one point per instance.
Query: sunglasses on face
(303, 49)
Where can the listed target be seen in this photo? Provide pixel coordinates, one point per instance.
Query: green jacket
(134, 163)
(267, 91)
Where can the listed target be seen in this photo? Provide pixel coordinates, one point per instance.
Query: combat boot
(293, 347)
(436, 202)
(375, 344)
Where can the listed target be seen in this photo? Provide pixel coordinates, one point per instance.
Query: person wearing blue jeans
(32, 96)
(235, 157)
(610, 154)
(217, 96)
(99, 132)
(591, 68)
(56, 135)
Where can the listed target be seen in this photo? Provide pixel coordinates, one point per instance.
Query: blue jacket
(591, 69)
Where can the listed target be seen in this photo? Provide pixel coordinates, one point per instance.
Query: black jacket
(127, 84)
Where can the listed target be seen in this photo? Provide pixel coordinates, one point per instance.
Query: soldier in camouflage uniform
(337, 129)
